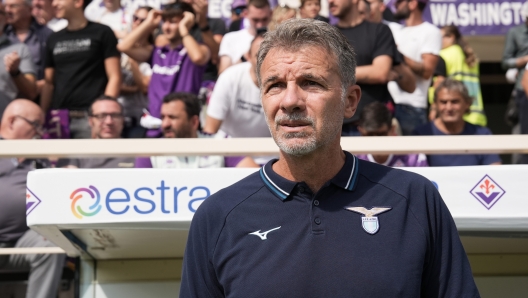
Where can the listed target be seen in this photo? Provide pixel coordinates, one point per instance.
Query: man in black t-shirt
(374, 47)
(82, 63)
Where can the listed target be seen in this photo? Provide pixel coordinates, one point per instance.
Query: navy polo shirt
(266, 236)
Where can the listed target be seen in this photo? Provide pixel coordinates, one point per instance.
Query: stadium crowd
(152, 68)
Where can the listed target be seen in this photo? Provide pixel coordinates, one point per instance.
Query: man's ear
(353, 95)
(195, 122)
(78, 3)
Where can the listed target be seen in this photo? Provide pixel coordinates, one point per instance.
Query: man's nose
(293, 99)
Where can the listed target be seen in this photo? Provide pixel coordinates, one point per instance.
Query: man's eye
(311, 83)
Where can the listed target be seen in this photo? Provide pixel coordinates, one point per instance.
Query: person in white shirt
(113, 15)
(420, 43)
(235, 106)
(235, 44)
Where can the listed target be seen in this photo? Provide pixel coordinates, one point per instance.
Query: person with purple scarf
(176, 67)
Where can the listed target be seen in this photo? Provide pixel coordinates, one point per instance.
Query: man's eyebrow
(311, 76)
(269, 80)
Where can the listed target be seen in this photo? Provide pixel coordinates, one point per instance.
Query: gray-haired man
(318, 222)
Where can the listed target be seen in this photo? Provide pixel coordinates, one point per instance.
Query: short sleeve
(26, 63)
(384, 44)
(224, 46)
(145, 69)
(109, 43)
(432, 41)
(222, 95)
(487, 159)
(440, 69)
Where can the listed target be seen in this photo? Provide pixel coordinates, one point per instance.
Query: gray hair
(454, 86)
(295, 34)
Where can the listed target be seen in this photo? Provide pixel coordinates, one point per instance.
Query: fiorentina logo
(487, 192)
(31, 201)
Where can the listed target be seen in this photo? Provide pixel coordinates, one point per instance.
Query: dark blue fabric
(317, 248)
(446, 160)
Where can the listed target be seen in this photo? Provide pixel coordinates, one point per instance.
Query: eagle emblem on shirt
(369, 221)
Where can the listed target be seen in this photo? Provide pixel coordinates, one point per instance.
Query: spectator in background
(452, 101)
(136, 80)
(235, 105)
(82, 63)
(180, 114)
(23, 28)
(106, 122)
(420, 44)
(238, 14)
(236, 44)
(17, 72)
(178, 66)
(44, 13)
(400, 72)
(281, 14)
(462, 64)
(376, 120)
(111, 14)
(515, 57)
(310, 9)
(23, 119)
(375, 55)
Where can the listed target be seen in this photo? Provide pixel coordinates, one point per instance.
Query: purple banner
(475, 17)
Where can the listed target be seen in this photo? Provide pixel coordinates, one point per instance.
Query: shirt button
(316, 203)
(317, 220)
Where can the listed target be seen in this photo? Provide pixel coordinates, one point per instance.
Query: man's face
(170, 28)
(175, 122)
(302, 99)
(64, 8)
(42, 10)
(310, 9)
(340, 8)
(376, 10)
(16, 11)
(258, 17)
(402, 9)
(106, 120)
(363, 9)
(451, 106)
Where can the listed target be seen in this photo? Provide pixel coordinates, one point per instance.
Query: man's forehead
(280, 62)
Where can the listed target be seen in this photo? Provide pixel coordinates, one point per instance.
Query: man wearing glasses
(106, 122)
(23, 120)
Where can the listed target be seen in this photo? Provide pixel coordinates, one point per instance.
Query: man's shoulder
(404, 183)
(235, 71)
(237, 36)
(225, 200)
(424, 129)
(429, 28)
(472, 129)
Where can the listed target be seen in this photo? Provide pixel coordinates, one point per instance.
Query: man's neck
(314, 169)
(175, 43)
(77, 22)
(351, 19)
(414, 19)
(450, 128)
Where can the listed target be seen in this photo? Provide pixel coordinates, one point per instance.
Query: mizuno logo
(263, 235)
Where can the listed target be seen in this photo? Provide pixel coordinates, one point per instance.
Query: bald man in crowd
(23, 119)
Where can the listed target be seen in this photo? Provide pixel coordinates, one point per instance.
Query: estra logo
(87, 202)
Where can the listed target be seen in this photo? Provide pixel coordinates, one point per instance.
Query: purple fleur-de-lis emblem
(487, 192)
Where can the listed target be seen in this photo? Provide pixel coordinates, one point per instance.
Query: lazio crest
(369, 222)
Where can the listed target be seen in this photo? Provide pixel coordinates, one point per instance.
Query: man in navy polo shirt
(318, 222)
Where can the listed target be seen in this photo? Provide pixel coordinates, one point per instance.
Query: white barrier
(114, 202)
(259, 146)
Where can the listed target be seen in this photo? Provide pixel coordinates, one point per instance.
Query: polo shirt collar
(281, 187)
(347, 177)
